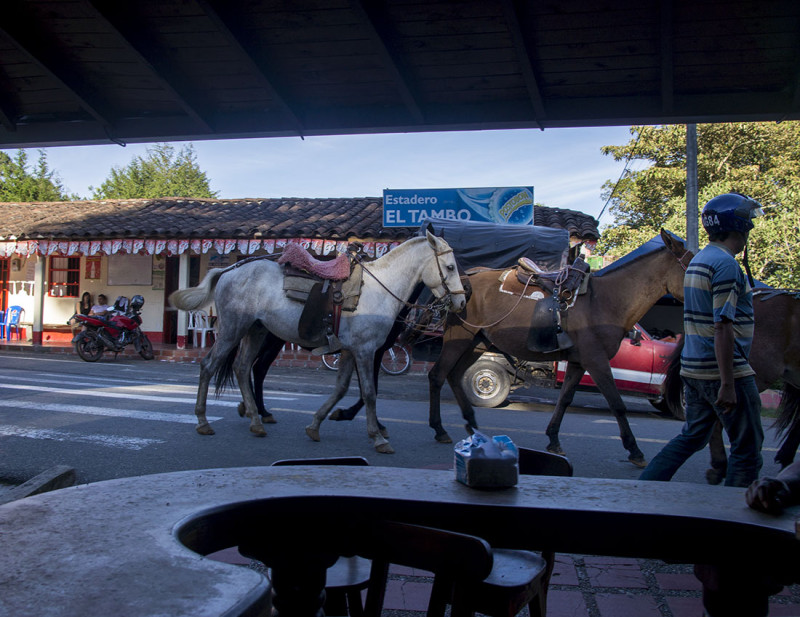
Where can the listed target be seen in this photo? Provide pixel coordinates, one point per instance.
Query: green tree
(161, 172)
(18, 183)
(759, 159)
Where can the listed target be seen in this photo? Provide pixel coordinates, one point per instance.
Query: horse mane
(651, 247)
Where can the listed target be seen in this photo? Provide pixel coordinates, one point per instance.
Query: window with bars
(64, 277)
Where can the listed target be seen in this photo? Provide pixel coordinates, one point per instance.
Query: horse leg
(452, 351)
(206, 366)
(788, 449)
(351, 412)
(363, 363)
(454, 379)
(270, 349)
(572, 377)
(249, 348)
(719, 458)
(789, 421)
(604, 379)
(343, 377)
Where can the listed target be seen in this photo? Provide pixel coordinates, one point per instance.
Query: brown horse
(775, 357)
(617, 297)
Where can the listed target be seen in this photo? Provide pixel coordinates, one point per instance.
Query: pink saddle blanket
(337, 269)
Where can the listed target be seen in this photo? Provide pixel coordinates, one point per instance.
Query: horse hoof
(444, 438)
(556, 450)
(385, 448)
(470, 429)
(258, 431)
(205, 430)
(336, 415)
(269, 419)
(241, 409)
(313, 433)
(714, 476)
(384, 433)
(638, 461)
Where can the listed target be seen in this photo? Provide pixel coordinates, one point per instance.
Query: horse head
(441, 276)
(682, 255)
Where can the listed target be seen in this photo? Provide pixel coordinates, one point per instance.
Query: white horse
(252, 293)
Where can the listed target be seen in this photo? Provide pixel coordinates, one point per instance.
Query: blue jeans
(743, 426)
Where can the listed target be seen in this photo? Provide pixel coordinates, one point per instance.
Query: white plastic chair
(199, 323)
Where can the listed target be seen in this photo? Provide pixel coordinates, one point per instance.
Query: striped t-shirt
(715, 287)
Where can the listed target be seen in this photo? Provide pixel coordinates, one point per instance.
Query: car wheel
(486, 384)
(661, 405)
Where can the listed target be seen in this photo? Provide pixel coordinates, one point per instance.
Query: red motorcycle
(113, 333)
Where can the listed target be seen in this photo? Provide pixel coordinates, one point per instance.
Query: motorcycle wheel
(145, 347)
(89, 347)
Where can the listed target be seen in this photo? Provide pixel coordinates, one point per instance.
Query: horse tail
(672, 381)
(223, 376)
(193, 298)
(787, 424)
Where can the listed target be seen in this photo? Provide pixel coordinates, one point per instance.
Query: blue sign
(506, 205)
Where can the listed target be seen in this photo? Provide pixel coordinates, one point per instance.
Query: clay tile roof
(177, 217)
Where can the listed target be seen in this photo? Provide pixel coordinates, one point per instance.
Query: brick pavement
(581, 586)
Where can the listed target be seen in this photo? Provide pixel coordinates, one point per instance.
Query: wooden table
(120, 547)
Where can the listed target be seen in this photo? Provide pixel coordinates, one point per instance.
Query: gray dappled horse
(252, 293)
(615, 300)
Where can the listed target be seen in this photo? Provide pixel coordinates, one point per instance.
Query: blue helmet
(730, 212)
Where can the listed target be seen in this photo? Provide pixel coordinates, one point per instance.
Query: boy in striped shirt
(718, 328)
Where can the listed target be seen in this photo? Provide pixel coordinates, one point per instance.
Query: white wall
(58, 310)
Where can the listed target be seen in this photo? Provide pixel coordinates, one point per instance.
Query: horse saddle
(553, 292)
(567, 282)
(325, 288)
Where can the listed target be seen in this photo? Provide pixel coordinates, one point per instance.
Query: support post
(39, 291)
(183, 283)
(692, 214)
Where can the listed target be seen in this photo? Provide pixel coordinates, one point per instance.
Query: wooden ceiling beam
(24, 32)
(132, 33)
(238, 40)
(377, 27)
(525, 51)
(667, 57)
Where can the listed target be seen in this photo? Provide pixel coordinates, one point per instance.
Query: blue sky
(565, 166)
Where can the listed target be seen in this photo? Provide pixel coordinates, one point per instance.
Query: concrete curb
(60, 476)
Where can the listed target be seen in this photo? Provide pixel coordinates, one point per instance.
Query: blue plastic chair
(12, 319)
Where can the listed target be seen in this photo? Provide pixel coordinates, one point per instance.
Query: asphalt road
(119, 418)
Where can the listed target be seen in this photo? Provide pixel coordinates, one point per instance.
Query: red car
(638, 369)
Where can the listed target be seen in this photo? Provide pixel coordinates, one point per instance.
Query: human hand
(767, 495)
(726, 398)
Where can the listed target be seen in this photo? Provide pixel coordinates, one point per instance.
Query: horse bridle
(682, 257)
(359, 259)
(447, 290)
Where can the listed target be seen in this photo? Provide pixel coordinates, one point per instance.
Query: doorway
(171, 284)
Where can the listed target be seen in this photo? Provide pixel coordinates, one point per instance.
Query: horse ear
(431, 239)
(671, 242)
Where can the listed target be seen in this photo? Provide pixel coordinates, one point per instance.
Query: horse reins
(358, 258)
(562, 277)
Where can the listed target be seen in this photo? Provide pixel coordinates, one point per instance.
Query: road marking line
(105, 411)
(129, 396)
(112, 441)
(273, 394)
